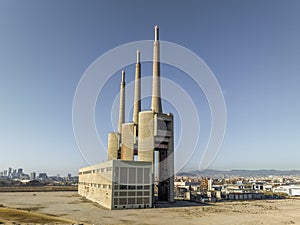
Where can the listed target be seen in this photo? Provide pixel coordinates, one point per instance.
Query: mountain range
(239, 172)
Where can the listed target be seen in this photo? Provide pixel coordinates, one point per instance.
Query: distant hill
(240, 173)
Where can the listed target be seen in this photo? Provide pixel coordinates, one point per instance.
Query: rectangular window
(140, 179)
(116, 175)
(131, 193)
(131, 187)
(131, 201)
(146, 200)
(123, 187)
(132, 175)
(122, 201)
(139, 201)
(116, 201)
(123, 193)
(123, 175)
(146, 175)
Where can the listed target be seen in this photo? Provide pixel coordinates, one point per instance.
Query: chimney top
(156, 36)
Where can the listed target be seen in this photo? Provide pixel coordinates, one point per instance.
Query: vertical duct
(137, 89)
(156, 99)
(122, 103)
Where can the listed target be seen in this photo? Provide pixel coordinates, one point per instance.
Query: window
(146, 175)
(132, 175)
(123, 175)
(123, 187)
(140, 175)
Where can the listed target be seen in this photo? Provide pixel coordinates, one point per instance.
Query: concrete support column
(127, 150)
(113, 145)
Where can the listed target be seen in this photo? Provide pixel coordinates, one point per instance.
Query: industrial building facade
(118, 184)
(151, 131)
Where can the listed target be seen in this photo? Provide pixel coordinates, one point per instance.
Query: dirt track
(70, 206)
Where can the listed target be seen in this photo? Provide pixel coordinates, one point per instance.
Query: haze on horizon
(253, 48)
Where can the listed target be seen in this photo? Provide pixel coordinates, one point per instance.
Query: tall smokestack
(137, 89)
(156, 100)
(122, 103)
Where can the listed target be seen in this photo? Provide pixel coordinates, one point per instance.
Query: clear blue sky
(253, 48)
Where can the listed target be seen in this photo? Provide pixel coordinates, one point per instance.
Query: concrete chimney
(122, 103)
(137, 89)
(156, 99)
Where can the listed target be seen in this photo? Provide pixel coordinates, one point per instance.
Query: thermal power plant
(122, 181)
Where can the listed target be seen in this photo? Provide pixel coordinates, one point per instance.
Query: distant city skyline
(7, 172)
(252, 47)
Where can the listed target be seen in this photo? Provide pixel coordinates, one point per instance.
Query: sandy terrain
(9, 216)
(69, 205)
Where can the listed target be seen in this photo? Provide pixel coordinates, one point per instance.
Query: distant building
(9, 171)
(245, 196)
(33, 176)
(291, 190)
(34, 183)
(20, 171)
(43, 176)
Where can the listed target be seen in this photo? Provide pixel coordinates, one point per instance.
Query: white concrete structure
(117, 184)
(291, 190)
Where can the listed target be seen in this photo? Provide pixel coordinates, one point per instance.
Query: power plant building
(122, 182)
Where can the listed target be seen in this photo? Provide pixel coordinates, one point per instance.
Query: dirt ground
(16, 216)
(70, 206)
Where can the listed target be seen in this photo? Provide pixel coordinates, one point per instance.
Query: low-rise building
(291, 190)
(118, 184)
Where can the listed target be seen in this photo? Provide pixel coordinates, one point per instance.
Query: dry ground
(69, 205)
(16, 216)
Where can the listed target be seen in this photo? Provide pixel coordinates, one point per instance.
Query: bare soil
(70, 206)
(16, 216)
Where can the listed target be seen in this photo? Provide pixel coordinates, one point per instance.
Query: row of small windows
(129, 201)
(101, 170)
(132, 187)
(131, 193)
(108, 186)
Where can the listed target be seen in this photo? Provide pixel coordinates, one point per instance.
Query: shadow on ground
(178, 203)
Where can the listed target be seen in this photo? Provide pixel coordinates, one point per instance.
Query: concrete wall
(95, 183)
